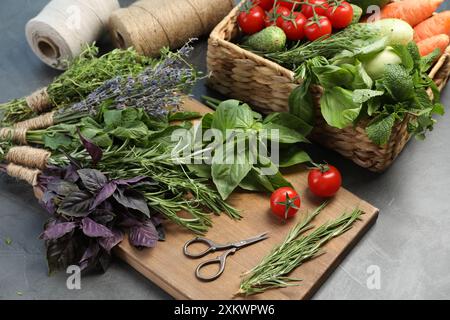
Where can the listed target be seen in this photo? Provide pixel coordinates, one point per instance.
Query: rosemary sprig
(348, 39)
(273, 271)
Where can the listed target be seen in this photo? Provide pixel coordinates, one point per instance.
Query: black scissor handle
(221, 260)
(211, 247)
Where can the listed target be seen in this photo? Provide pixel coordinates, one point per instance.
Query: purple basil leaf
(92, 179)
(94, 151)
(58, 230)
(129, 181)
(62, 252)
(71, 174)
(95, 230)
(102, 216)
(47, 202)
(76, 204)
(132, 199)
(111, 242)
(62, 188)
(129, 222)
(106, 192)
(157, 222)
(144, 236)
(89, 256)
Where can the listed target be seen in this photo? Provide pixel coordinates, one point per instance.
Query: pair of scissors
(212, 247)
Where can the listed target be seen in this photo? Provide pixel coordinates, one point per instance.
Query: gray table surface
(409, 245)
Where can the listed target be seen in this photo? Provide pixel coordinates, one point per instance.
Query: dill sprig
(273, 271)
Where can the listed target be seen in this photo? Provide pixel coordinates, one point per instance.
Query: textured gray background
(410, 242)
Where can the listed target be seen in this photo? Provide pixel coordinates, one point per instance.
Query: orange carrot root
(437, 24)
(427, 46)
(411, 11)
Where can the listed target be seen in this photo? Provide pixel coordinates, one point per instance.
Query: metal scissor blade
(247, 242)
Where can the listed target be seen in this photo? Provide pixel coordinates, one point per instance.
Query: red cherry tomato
(294, 28)
(252, 20)
(317, 29)
(265, 4)
(289, 5)
(319, 6)
(276, 17)
(285, 202)
(324, 181)
(341, 16)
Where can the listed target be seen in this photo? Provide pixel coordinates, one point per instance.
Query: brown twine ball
(40, 122)
(149, 25)
(28, 175)
(39, 101)
(16, 135)
(29, 157)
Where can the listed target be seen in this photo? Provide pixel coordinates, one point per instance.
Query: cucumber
(271, 39)
(357, 13)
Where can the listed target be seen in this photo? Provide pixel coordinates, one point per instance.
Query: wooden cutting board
(167, 267)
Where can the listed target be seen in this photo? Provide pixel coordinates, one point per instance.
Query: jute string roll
(16, 135)
(41, 122)
(29, 157)
(22, 173)
(59, 32)
(149, 25)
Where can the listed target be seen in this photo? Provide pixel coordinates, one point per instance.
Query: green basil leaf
(184, 116)
(134, 131)
(55, 141)
(231, 114)
(331, 76)
(200, 170)
(301, 103)
(290, 121)
(284, 134)
(229, 168)
(293, 156)
(338, 108)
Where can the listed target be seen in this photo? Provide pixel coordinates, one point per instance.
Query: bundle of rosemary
(350, 39)
(85, 74)
(273, 271)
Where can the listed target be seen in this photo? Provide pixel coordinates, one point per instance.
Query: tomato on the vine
(317, 29)
(319, 6)
(289, 5)
(294, 26)
(276, 17)
(324, 180)
(285, 202)
(265, 4)
(252, 20)
(340, 15)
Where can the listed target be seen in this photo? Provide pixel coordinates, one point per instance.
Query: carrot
(427, 46)
(437, 24)
(411, 11)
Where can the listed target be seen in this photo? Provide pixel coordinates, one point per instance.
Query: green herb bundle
(273, 271)
(85, 74)
(379, 84)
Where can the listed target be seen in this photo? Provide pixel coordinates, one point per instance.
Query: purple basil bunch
(90, 215)
(158, 89)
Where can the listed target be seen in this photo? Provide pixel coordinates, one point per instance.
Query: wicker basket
(265, 85)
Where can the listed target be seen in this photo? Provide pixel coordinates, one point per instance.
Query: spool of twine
(59, 32)
(28, 157)
(41, 122)
(22, 173)
(16, 135)
(149, 25)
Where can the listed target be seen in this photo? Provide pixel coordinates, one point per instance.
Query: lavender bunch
(158, 89)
